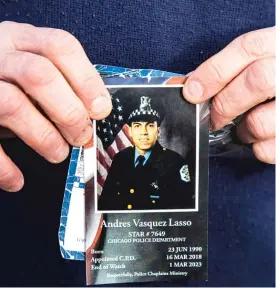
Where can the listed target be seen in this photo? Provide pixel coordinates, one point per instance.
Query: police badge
(184, 173)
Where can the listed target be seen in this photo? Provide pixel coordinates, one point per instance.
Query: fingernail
(193, 90)
(84, 136)
(100, 104)
(17, 187)
(61, 153)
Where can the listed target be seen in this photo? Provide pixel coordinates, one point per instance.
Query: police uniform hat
(146, 110)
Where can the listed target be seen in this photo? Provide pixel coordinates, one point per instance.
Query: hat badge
(145, 104)
(144, 109)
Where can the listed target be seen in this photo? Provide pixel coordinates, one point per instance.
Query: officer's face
(144, 135)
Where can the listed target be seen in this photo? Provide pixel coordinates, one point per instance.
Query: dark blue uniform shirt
(171, 35)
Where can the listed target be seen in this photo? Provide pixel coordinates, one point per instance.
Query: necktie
(140, 161)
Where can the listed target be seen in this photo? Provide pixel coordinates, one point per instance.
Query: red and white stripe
(104, 157)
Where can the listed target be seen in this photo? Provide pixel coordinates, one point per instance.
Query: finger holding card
(239, 78)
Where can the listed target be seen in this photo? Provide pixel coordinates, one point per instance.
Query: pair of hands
(47, 69)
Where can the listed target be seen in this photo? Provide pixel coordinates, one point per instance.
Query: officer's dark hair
(145, 118)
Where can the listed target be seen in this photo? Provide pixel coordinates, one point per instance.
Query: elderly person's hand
(46, 69)
(241, 78)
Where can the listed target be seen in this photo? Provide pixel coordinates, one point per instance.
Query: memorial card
(148, 195)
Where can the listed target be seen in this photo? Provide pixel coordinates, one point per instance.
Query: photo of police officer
(147, 175)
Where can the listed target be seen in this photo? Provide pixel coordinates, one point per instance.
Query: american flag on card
(112, 137)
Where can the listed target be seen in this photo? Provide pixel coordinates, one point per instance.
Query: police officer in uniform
(147, 175)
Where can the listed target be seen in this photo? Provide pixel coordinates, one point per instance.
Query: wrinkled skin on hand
(241, 79)
(44, 69)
